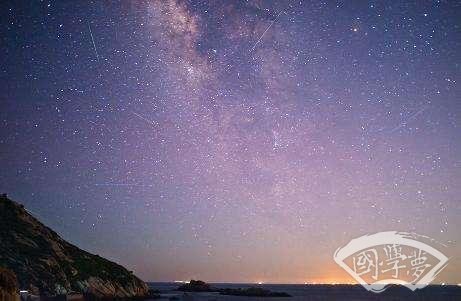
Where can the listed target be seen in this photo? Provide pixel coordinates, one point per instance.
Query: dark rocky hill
(8, 286)
(45, 263)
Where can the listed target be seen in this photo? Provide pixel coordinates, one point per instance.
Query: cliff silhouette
(46, 264)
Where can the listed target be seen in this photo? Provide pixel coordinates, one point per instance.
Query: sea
(311, 292)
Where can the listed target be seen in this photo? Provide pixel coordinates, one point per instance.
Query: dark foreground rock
(45, 264)
(8, 285)
(252, 292)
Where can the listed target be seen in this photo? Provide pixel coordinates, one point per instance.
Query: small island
(252, 292)
(202, 286)
(196, 286)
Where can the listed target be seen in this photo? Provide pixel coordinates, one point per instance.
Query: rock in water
(196, 286)
(45, 263)
(252, 292)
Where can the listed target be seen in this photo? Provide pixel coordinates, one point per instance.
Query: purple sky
(233, 140)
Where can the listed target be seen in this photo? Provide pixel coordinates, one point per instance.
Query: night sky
(235, 141)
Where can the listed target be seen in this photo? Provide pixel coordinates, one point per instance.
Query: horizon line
(289, 283)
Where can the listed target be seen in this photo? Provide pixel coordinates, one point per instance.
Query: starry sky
(238, 141)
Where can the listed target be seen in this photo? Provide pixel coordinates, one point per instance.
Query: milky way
(233, 140)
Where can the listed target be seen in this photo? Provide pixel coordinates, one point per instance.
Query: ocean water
(314, 293)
